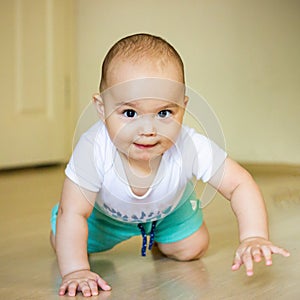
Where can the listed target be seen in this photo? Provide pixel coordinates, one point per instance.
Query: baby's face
(143, 109)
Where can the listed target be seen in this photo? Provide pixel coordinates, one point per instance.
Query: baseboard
(271, 168)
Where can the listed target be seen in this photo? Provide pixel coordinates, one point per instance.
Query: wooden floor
(29, 270)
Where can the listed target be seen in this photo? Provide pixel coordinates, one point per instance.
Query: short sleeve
(83, 167)
(209, 159)
(204, 157)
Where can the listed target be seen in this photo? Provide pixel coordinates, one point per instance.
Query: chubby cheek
(169, 133)
(166, 144)
(119, 133)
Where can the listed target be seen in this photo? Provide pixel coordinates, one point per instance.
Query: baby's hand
(253, 249)
(83, 281)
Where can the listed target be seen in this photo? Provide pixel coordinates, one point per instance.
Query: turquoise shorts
(105, 232)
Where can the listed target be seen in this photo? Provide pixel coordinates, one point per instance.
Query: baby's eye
(130, 113)
(163, 114)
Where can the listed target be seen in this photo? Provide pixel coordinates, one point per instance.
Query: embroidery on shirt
(143, 218)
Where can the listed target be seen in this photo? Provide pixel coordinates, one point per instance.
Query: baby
(131, 173)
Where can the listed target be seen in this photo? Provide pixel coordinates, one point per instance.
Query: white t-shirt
(96, 165)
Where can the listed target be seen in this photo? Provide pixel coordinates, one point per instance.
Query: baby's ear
(98, 101)
(186, 101)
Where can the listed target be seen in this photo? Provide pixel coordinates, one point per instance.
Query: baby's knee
(188, 254)
(194, 254)
(190, 248)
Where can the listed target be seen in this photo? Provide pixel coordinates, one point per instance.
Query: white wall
(242, 56)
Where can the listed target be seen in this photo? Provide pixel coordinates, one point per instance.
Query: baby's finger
(94, 287)
(103, 284)
(256, 253)
(267, 254)
(63, 288)
(237, 262)
(248, 262)
(278, 250)
(72, 288)
(85, 289)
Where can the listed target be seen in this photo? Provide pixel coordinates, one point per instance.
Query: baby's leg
(52, 240)
(104, 232)
(190, 248)
(182, 235)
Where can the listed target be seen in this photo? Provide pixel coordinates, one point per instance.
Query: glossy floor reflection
(29, 269)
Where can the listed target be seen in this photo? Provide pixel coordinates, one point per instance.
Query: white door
(34, 112)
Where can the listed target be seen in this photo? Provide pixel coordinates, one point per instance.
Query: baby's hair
(141, 46)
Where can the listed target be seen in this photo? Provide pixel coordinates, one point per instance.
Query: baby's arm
(71, 242)
(237, 185)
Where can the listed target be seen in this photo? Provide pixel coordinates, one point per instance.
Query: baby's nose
(147, 125)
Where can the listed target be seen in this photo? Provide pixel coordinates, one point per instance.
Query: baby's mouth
(145, 146)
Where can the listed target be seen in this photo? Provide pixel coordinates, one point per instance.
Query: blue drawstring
(144, 236)
(152, 235)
